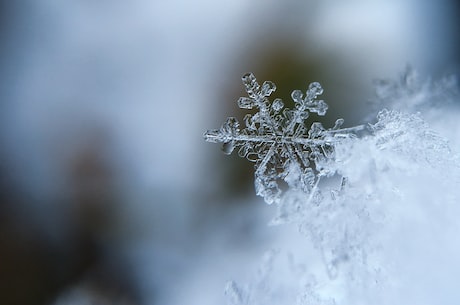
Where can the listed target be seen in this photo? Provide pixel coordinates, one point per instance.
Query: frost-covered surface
(383, 228)
(437, 100)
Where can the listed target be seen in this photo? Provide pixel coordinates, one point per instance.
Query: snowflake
(277, 139)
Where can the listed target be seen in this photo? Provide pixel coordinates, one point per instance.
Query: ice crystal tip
(315, 89)
(278, 140)
(277, 105)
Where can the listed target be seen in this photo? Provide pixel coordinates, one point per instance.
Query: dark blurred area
(45, 252)
(108, 194)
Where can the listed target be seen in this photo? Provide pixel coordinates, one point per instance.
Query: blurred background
(108, 192)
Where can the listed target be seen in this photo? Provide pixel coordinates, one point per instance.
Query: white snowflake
(279, 141)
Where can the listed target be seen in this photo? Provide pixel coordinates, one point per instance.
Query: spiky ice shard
(278, 140)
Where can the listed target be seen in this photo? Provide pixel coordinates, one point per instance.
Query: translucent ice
(278, 140)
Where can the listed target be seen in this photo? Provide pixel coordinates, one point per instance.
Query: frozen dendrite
(279, 141)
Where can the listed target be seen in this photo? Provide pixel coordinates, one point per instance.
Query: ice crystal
(278, 140)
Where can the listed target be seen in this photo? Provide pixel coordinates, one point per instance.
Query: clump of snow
(382, 227)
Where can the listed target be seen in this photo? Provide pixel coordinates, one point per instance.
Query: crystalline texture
(278, 140)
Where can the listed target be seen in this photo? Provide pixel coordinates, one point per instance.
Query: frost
(413, 93)
(392, 198)
(269, 287)
(437, 100)
(278, 140)
(410, 136)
